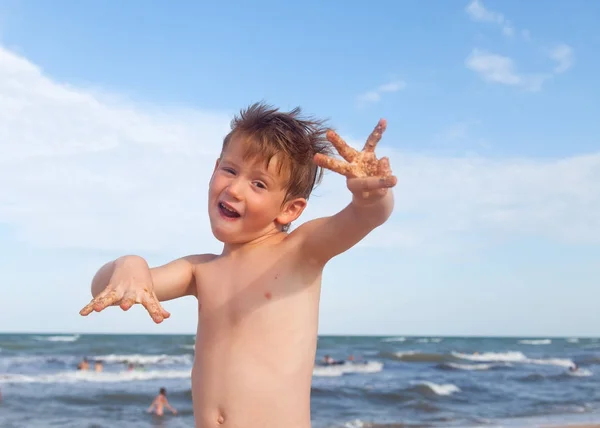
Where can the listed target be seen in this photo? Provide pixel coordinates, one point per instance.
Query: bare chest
(256, 288)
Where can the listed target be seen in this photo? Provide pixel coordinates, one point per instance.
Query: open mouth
(228, 211)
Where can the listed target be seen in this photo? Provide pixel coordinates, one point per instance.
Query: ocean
(397, 381)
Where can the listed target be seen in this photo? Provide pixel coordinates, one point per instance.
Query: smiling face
(248, 197)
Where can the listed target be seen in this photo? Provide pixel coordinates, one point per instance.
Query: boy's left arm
(370, 180)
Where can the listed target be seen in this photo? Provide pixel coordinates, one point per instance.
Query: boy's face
(246, 197)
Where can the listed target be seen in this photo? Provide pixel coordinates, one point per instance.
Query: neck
(239, 248)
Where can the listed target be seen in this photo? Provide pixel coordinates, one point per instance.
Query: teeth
(225, 207)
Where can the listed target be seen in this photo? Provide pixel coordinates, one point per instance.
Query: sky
(112, 115)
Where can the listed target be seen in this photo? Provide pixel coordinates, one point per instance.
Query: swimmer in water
(83, 365)
(160, 402)
(258, 300)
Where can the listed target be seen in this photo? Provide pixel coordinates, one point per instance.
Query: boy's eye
(229, 170)
(260, 184)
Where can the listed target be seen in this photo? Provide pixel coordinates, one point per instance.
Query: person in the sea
(98, 366)
(258, 301)
(160, 402)
(84, 364)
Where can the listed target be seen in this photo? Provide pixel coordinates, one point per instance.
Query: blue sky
(111, 115)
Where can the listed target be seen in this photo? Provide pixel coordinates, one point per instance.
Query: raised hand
(365, 173)
(128, 286)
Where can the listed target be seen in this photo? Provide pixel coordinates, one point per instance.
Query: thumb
(365, 184)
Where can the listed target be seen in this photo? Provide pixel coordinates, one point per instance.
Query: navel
(268, 295)
(221, 418)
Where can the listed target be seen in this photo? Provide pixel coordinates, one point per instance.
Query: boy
(160, 402)
(258, 301)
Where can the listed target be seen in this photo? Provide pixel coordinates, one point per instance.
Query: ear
(291, 210)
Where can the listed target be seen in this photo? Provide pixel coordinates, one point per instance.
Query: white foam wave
(580, 373)
(512, 357)
(439, 389)
(400, 354)
(144, 360)
(72, 338)
(356, 423)
(505, 357)
(472, 366)
(103, 377)
(394, 339)
(341, 369)
(573, 340)
(192, 347)
(535, 342)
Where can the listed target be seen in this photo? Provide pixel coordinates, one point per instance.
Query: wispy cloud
(376, 94)
(478, 12)
(500, 69)
(79, 171)
(563, 55)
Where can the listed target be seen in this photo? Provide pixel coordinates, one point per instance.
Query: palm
(358, 164)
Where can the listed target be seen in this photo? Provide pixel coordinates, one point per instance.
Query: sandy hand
(125, 290)
(365, 173)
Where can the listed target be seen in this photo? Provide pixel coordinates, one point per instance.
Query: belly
(241, 390)
(254, 358)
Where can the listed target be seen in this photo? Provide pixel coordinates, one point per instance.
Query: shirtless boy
(258, 301)
(160, 402)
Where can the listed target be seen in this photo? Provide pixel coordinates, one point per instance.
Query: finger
(334, 165)
(375, 136)
(153, 307)
(384, 167)
(345, 151)
(127, 302)
(366, 184)
(87, 309)
(104, 300)
(164, 312)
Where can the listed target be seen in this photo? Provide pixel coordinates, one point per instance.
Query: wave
(436, 388)
(470, 367)
(419, 357)
(506, 358)
(346, 368)
(535, 342)
(539, 377)
(580, 373)
(72, 338)
(71, 360)
(513, 357)
(103, 377)
(394, 339)
(144, 360)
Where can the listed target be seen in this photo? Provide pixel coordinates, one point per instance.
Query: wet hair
(268, 132)
(162, 391)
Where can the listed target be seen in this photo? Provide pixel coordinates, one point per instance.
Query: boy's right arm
(129, 280)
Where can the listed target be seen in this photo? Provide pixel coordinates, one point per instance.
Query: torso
(256, 340)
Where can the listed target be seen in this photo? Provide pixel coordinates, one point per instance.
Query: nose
(234, 189)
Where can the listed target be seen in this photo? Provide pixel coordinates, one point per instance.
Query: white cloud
(375, 95)
(79, 171)
(478, 12)
(563, 55)
(496, 68)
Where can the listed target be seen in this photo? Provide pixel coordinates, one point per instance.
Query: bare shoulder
(199, 259)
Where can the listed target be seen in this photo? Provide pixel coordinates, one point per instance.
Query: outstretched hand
(126, 293)
(367, 176)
